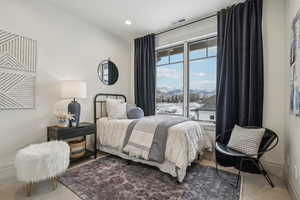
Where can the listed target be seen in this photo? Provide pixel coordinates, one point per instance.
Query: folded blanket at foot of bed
(146, 138)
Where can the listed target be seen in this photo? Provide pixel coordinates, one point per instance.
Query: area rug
(112, 178)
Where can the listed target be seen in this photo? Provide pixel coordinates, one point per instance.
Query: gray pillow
(130, 106)
(135, 113)
(246, 140)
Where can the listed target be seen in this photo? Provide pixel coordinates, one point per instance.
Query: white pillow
(116, 109)
(246, 140)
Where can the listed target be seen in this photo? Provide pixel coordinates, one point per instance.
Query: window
(202, 80)
(105, 73)
(200, 90)
(169, 81)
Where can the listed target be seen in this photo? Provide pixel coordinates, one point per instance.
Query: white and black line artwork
(16, 90)
(18, 62)
(17, 52)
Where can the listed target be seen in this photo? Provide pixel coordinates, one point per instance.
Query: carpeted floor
(111, 178)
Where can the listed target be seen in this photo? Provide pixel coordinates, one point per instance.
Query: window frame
(186, 69)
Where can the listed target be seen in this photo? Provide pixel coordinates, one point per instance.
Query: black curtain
(144, 74)
(240, 78)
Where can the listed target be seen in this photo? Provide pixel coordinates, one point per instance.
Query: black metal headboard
(100, 103)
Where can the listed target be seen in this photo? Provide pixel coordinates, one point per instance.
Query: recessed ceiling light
(128, 22)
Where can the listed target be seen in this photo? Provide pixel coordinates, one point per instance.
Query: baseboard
(294, 193)
(273, 168)
(292, 190)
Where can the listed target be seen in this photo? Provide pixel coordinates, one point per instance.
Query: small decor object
(77, 148)
(18, 61)
(63, 118)
(43, 161)
(74, 89)
(294, 80)
(108, 72)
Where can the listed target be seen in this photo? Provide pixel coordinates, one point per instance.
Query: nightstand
(84, 129)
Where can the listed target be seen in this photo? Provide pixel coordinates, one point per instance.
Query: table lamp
(73, 90)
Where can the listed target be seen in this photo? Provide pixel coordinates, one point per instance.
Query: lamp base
(74, 108)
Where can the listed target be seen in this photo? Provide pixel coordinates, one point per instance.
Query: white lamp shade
(73, 89)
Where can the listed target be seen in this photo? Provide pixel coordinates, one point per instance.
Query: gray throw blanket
(147, 137)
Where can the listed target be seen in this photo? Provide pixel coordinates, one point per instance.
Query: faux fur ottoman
(38, 162)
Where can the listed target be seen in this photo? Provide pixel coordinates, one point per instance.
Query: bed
(185, 143)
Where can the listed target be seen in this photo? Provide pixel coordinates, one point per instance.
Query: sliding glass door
(186, 80)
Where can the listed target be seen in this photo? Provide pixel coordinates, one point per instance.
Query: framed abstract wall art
(294, 80)
(18, 61)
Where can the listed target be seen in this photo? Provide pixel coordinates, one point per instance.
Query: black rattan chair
(269, 142)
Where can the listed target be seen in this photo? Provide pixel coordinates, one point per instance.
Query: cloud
(203, 85)
(206, 82)
(199, 74)
(168, 73)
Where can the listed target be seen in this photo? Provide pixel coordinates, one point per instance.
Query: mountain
(170, 92)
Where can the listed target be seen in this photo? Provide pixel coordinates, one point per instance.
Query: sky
(202, 72)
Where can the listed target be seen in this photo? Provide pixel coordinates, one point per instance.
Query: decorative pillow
(135, 113)
(116, 109)
(246, 140)
(130, 106)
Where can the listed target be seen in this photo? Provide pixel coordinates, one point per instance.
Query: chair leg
(265, 173)
(239, 174)
(217, 169)
(262, 170)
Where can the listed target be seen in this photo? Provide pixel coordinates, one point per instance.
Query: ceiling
(147, 16)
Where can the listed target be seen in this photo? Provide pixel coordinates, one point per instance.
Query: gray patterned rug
(111, 178)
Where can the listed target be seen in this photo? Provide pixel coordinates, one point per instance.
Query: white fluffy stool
(43, 161)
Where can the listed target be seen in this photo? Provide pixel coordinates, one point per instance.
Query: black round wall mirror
(108, 72)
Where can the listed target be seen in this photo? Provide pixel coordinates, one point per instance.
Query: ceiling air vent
(180, 21)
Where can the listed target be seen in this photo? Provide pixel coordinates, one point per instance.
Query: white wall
(198, 30)
(68, 48)
(274, 76)
(292, 149)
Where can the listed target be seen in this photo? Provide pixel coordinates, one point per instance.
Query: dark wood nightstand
(84, 129)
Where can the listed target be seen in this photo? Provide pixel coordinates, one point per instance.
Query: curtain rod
(192, 22)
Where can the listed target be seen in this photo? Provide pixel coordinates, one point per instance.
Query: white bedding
(185, 141)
